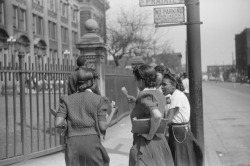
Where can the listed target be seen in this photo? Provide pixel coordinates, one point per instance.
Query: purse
(142, 126)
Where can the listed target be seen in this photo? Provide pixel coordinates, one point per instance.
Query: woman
(149, 149)
(184, 147)
(160, 71)
(85, 113)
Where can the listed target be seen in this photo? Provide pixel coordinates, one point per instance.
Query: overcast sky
(222, 19)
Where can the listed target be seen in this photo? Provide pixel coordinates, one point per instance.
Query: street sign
(169, 15)
(160, 2)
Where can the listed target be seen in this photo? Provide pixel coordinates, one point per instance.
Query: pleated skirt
(86, 151)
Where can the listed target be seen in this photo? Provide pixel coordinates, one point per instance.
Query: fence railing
(29, 90)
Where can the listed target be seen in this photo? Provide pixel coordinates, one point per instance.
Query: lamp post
(11, 41)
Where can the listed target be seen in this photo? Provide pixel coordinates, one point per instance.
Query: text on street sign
(160, 2)
(169, 15)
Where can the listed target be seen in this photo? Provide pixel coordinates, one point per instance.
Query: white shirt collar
(149, 89)
(89, 90)
(168, 96)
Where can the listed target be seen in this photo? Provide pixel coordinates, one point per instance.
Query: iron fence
(29, 90)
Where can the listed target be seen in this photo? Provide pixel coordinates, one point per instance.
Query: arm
(155, 121)
(61, 114)
(104, 125)
(171, 113)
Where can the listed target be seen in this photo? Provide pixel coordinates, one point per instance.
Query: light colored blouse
(179, 99)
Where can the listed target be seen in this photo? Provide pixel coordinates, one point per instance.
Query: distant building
(242, 46)
(47, 28)
(215, 72)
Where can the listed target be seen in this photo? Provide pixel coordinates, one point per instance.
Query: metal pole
(22, 104)
(194, 68)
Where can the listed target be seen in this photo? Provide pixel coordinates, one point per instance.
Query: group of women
(85, 113)
(161, 96)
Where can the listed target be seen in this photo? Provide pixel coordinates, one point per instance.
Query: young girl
(85, 113)
(184, 147)
(149, 149)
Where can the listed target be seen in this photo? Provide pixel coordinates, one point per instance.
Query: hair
(146, 73)
(80, 61)
(162, 69)
(175, 81)
(184, 75)
(86, 78)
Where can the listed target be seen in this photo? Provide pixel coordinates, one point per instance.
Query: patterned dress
(155, 152)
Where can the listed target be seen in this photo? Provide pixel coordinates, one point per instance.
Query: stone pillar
(93, 48)
(137, 59)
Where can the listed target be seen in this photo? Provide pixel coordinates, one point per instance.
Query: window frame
(2, 12)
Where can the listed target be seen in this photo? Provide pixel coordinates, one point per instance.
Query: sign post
(194, 69)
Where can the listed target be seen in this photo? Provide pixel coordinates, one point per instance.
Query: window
(64, 10)
(2, 12)
(52, 5)
(74, 37)
(52, 30)
(64, 34)
(38, 25)
(22, 20)
(38, 2)
(51, 52)
(55, 54)
(15, 17)
(19, 18)
(74, 15)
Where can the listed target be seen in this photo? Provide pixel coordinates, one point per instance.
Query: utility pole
(194, 68)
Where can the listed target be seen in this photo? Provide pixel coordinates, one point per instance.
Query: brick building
(46, 28)
(242, 49)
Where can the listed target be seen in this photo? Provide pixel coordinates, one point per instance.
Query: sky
(222, 20)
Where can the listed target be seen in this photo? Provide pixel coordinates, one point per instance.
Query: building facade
(46, 28)
(216, 72)
(242, 49)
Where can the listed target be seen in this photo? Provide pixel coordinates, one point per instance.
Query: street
(227, 130)
(226, 115)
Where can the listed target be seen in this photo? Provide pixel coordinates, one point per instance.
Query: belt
(180, 124)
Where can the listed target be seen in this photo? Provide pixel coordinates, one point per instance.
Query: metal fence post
(22, 103)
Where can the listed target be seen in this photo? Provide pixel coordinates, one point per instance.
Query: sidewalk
(118, 142)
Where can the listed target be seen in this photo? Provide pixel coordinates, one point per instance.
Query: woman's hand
(131, 99)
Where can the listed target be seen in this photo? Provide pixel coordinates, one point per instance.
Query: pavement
(222, 146)
(118, 142)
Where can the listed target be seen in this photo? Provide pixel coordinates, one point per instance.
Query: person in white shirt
(185, 149)
(185, 82)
